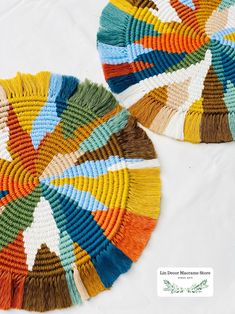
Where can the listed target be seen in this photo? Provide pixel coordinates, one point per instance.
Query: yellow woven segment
(29, 113)
(124, 5)
(111, 189)
(230, 37)
(82, 257)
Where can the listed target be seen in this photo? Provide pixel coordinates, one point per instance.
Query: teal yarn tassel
(110, 264)
(75, 297)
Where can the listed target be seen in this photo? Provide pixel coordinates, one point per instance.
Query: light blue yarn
(47, 119)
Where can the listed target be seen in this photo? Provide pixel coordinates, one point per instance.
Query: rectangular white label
(185, 282)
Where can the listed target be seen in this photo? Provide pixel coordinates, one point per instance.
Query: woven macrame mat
(79, 191)
(172, 63)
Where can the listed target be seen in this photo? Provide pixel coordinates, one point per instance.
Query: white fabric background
(197, 222)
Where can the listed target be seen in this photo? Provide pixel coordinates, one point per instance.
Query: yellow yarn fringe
(91, 279)
(26, 85)
(144, 192)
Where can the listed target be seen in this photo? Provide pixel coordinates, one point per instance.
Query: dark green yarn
(20, 213)
(94, 99)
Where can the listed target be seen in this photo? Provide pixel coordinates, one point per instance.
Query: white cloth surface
(197, 222)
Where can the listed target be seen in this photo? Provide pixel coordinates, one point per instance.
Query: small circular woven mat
(172, 63)
(79, 191)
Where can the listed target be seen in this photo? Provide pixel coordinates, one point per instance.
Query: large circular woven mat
(172, 63)
(79, 191)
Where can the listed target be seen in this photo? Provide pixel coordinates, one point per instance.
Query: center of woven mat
(60, 182)
(181, 34)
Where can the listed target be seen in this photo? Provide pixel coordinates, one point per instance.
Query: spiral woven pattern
(171, 62)
(79, 191)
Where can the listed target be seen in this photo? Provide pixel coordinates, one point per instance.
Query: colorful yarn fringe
(171, 62)
(79, 191)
